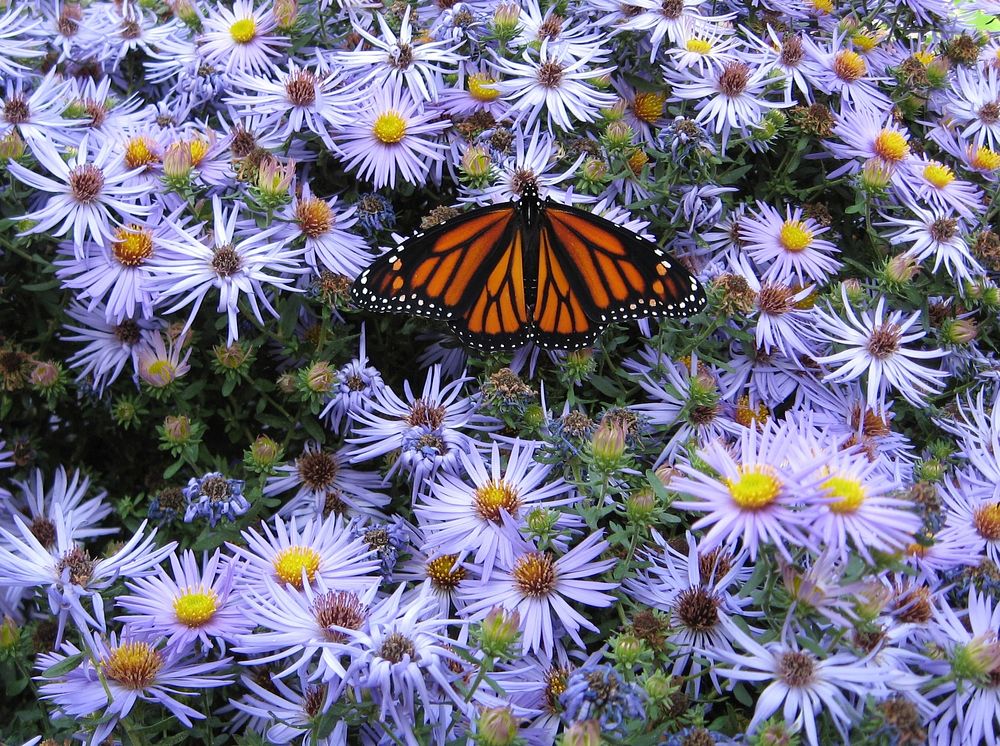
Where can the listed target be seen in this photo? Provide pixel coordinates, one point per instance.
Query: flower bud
(11, 147)
(177, 165)
(287, 383)
(579, 364)
(506, 19)
(957, 332)
(875, 176)
(273, 182)
(264, 453)
(534, 416)
(285, 13)
(852, 288)
(476, 163)
(640, 506)
(177, 429)
(232, 357)
(659, 687)
(975, 660)
(496, 726)
(10, 634)
(125, 412)
(318, 378)
(583, 733)
(900, 270)
(46, 375)
(627, 650)
(607, 446)
(618, 135)
(499, 631)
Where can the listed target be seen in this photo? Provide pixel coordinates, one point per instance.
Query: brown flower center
(16, 110)
(943, 229)
(338, 609)
(226, 261)
(671, 9)
(792, 50)
(317, 470)
(990, 113)
(314, 216)
(403, 58)
(734, 78)
(796, 668)
(127, 332)
(397, 646)
(86, 183)
(300, 89)
(697, 609)
(44, 530)
(426, 413)
(775, 300)
(550, 74)
(535, 574)
(79, 563)
(444, 573)
(884, 341)
(986, 520)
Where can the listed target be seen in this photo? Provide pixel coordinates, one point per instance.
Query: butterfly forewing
(442, 272)
(617, 275)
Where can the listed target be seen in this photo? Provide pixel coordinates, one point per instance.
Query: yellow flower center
(822, 6)
(850, 494)
(891, 146)
(132, 245)
(389, 128)
(938, 174)
(198, 149)
(648, 107)
(849, 66)
(194, 608)
(314, 217)
(481, 87)
(924, 56)
(637, 159)
(748, 416)
(161, 372)
(756, 487)
(699, 46)
(985, 159)
(986, 521)
(243, 31)
(444, 573)
(140, 151)
(866, 41)
(289, 564)
(134, 665)
(795, 236)
(493, 497)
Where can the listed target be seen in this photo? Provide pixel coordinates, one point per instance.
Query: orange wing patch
(557, 307)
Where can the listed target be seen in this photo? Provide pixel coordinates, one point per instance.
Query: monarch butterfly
(529, 270)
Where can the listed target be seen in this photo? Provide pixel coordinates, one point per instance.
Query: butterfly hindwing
(617, 275)
(442, 272)
(558, 311)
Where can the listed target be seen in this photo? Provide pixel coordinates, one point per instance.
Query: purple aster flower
(386, 540)
(282, 713)
(160, 363)
(668, 22)
(859, 514)
(599, 692)
(429, 430)
(16, 40)
(836, 69)
(874, 345)
(84, 192)
(537, 585)
(214, 497)
(971, 517)
(869, 136)
(299, 101)
(68, 573)
(193, 602)
(974, 102)
(469, 520)
(107, 348)
(801, 684)
(935, 183)
(36, 506)
(967, 700)
(36, 115)
(325, 483)
(698, 590)
(788, 246)
(391, 58)
(474, 91)
(309, 626)
(238, 262)
(703, 47)
(354, 389)
(298, 553)
(402, 658)
(939, 232)
(757, 496)
(116, 674)
(325, 228)
(240, 37)
(732, 97)
(550, 79)
(391, 135)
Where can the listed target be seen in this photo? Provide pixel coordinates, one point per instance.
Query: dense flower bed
(236, 509)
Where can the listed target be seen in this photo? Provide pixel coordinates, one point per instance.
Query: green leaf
(64, 666)
(171, 470)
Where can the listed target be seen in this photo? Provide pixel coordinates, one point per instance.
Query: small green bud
(499, 631)
(496, 726)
